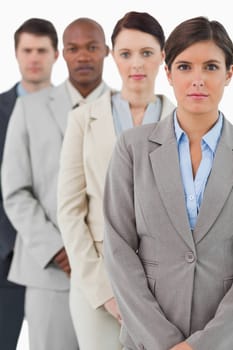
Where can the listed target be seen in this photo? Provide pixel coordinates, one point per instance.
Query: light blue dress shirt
(20, 91)
(194, 188)
(122, 117)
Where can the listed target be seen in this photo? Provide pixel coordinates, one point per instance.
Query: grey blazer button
(189, 257)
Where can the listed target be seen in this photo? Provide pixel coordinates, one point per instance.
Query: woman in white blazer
(137, 42)
(168, 202)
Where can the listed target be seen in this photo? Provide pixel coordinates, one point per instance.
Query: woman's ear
(168, 74)
(229, 75)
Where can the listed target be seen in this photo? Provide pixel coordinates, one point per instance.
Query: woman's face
(138, 57)
(198, 76)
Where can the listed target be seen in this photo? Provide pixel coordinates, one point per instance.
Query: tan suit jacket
(87, 148)
(171, 284)
(29, 180)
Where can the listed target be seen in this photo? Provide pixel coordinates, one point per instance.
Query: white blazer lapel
(102, 127)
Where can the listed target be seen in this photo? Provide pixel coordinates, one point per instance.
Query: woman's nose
(198, 83)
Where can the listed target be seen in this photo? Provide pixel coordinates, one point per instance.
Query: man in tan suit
(29, 177)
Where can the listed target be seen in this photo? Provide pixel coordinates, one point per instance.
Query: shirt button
(189, 257)
(191, 197)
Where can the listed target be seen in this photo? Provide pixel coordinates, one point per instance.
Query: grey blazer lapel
(163, 159)
(60, 104)
(219, 184)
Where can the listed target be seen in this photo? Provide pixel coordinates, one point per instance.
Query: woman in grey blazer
(138, 41)
(168, 206)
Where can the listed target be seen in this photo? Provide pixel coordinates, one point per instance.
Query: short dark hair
(141, 21)
(193, 31)
(39, 27)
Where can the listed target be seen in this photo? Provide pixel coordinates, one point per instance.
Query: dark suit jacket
(7, 232)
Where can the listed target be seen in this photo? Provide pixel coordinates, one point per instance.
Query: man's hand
(112, 308)
(61, 259)
(182, 346)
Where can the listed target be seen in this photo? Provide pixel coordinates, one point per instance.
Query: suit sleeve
(38, 233)
(7, 231)
(217, 334)
(143, 319)
(87, 264)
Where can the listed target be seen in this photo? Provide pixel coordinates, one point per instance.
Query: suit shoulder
(138, 134)
(37, 95)
(9, 94)
(7, 103)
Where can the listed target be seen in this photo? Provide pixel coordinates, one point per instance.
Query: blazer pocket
(227, 283)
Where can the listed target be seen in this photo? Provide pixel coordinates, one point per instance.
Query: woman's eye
(183, 66)
(212, 66)
(124, 54)
(147, 53)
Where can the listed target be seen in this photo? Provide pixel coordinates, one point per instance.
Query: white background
(61, 13)
(106, 12)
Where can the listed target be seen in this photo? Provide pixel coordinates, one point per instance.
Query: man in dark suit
(36, 51)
